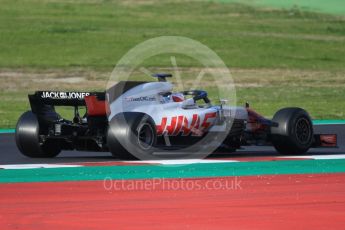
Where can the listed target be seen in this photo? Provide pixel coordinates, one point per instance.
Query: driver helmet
(177, 97)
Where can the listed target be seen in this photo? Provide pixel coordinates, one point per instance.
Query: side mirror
(223, 101)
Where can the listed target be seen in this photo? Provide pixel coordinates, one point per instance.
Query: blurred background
(280, 52)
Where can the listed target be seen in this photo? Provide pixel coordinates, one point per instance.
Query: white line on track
(169, 162)
(34, 166)
(318, 157)
(182, 162)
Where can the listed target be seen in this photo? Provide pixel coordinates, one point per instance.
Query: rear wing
(61, 98)
(43, 102)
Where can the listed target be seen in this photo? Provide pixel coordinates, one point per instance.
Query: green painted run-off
(329, 122)
(336, 7)
(183, 171)
(7, 131)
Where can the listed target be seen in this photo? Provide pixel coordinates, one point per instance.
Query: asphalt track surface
(9, 154)
(259, 190)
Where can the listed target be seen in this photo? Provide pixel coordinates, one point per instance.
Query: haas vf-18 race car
(134, 118)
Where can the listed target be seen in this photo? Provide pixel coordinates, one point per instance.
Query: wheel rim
(303, 131)
(145, 136)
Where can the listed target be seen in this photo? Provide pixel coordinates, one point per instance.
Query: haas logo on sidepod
(181, 124)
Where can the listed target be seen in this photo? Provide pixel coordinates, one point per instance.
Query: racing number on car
(181, 124)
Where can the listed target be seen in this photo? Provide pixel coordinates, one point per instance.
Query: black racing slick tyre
(28, 141)
(294, 133)
(132, 135)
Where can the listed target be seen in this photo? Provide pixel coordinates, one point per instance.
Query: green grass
(51, 35)
(12, 105)
(47, 34)
(323, 103)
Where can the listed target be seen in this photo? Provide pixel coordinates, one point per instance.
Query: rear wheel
(28, 141)
(131, 135)
(294, 134)
(146, 136)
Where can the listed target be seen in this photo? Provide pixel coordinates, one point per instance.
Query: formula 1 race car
(134, 119)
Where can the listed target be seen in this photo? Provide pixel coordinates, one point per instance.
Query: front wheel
(294, 134)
